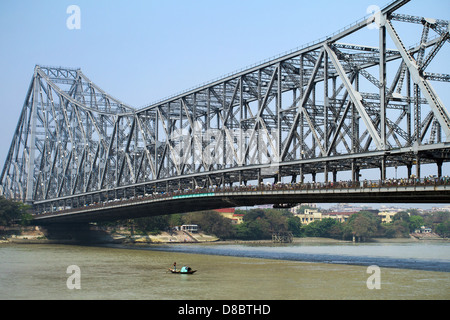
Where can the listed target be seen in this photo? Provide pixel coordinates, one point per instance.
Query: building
(230, 214)
(192, 228)
(423, 229)
(296, 209)
(311, 215)
(387, 216)
(339, 216)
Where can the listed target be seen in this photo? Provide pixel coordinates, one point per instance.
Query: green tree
(276, 219)
(175, 220)
(401, 216)
(294, 225)
(13, 212)
(259, 229)
(259, 224)
(152, 224)
(253, 214)
(443, 229)
(211, 222)
(415, 222)
(362, 225)
(326, 228)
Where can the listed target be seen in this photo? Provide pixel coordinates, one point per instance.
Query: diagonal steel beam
(439, 110)
(302, 104)
(355, 97)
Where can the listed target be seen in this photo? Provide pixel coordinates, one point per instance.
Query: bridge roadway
(389, 191)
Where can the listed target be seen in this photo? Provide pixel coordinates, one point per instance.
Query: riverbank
(35, 235)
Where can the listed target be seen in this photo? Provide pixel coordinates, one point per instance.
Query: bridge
(329, 108)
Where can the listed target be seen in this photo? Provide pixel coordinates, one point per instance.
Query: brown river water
(225, 272)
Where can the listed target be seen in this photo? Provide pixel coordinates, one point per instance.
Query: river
(419, 270)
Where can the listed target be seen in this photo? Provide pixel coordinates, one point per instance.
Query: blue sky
(142, 51)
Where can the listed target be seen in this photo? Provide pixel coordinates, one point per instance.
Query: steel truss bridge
(326, 108)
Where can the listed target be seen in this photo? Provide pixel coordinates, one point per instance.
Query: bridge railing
(211, 191)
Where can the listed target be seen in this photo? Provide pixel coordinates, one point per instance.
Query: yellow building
(309, 215)
(339, 216)
(230, 214)
(387, 216)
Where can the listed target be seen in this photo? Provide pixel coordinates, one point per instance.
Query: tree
(276, 220)
(294, 225)
(326, 228)
(253, 214)
(401, 216)
(152, 224)
(175, 220)
(259, 229)
(362, 224)
(260, 224)
(13, 212)
(415, 222)
(443, 229)
(211, 222)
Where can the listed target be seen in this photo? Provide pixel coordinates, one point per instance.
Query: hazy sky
(142, 51)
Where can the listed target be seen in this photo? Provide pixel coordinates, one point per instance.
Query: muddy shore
(34, 235)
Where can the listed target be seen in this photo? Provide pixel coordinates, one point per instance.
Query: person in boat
(186, 269)
(174, 266)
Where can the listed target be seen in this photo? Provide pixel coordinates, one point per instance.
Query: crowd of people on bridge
(279, 186)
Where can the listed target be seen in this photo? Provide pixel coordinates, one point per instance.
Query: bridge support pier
(417, 167)
(355, 172)
(383, 168)
(76, 232)
(439, 167)
(409, 167)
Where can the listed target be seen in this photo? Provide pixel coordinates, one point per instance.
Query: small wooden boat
(190, 271)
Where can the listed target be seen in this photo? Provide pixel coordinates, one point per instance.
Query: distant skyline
(141, 51)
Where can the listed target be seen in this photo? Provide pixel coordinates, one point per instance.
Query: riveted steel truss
(330, 107)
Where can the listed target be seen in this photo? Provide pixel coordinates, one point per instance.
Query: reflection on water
(39, 272)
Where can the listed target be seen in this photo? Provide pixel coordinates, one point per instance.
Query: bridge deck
(197, 200)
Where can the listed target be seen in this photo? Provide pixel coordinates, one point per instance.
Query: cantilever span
(326, 109)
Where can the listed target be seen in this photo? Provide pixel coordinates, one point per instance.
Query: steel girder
(328, 107)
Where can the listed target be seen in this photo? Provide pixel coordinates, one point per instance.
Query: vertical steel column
(301, 117)
(156, 144)
(325, 111)
(278, 113)
(241, 129)
(32, 133)
(382, 31)
(417, 114)
(408, 112)
(355, 120)
(258, 124)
